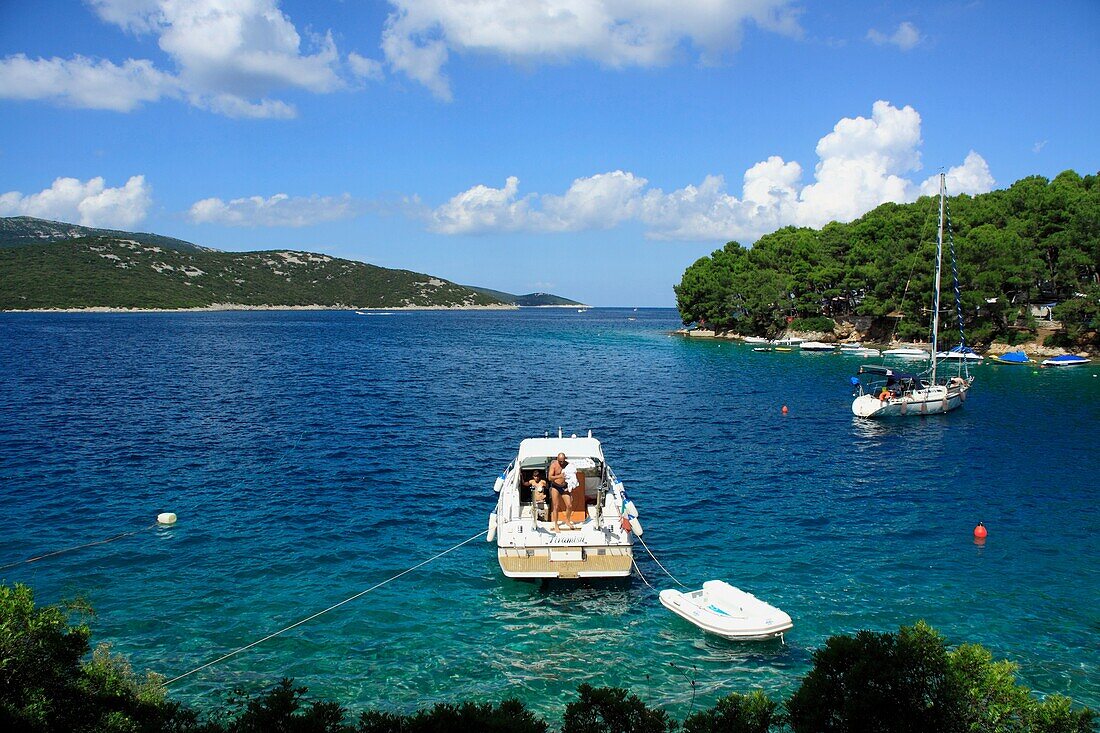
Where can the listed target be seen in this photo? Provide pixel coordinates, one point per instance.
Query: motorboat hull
(728, 612)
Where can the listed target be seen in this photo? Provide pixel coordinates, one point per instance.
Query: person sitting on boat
(560, 492)
(538, 488)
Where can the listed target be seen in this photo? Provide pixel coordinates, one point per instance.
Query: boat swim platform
(603, 562)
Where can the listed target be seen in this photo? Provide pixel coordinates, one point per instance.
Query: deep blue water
(312, 454)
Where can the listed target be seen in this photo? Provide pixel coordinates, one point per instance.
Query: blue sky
(593, 148)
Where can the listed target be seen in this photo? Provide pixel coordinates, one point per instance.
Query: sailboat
(890, 392)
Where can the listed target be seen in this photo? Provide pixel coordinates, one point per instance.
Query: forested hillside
(1036, 242)
(123, 273)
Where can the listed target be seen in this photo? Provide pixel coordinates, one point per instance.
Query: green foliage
(992, 701)
(1034, 242)
(115, 273)
(752, 713)
(20, 231)
(44, 685)
(511, 716)
(878, 682)
(815, 323)
(1081, 316)
(613, 710)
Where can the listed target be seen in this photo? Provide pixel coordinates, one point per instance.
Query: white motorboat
(817, 346)
(894, 393)
(906, 352)
(861, 352)
(1066, 360)
(960, 353)
(854, 346)
(726, 611)
(756, 340)
(529, 544)
(789, 341)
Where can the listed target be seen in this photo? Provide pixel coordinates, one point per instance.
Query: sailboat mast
(939, 267)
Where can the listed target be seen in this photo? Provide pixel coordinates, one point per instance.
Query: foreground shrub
(45, 685)
(993, 702)
(878, 682)
(752, 713)
(613, 710)
(511, 716)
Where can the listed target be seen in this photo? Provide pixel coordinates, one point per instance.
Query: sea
(311, 455)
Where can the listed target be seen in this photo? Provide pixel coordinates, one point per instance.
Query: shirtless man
(560, 493)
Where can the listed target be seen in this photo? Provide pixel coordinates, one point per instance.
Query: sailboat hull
(928, 401)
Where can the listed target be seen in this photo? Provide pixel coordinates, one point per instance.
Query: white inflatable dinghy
(727, 611)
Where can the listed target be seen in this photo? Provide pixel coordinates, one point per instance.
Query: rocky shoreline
(240, 307)
(1033, 348)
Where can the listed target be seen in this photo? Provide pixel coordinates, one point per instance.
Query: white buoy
(166, 518)
(635, 525)
(492, 527)
(629, 508)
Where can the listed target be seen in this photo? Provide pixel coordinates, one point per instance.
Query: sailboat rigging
(890, 392)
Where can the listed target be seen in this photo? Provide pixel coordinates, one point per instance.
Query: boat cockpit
(593, 479)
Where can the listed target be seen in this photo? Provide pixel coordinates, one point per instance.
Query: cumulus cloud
(906, 37)
(597, 202)
(229, 57)
(972, 177)
(90, 203)
(862, 163)
(420, 34)
(279, 210)
(84, 82)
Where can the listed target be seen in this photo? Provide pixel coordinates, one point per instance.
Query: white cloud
(365, 68)
(229, 56)
(906, 37)
(84, 82)
(598, 202)
(972, 177)
(859, 165)
(90, 202)
(1038, 146)
(420, 34)
(279, 210)
(482, 209)
(862, 163)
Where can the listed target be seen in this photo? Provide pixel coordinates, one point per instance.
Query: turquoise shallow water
(310, 455)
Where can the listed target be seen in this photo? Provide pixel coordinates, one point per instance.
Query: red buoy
(785, 410)
(979, 531)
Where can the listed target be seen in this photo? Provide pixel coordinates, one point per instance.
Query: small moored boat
(817, 346)
(1066, 360)
(726, 611)
(906, 352)
(1013, 357)
(959, 353)
(756, 340)
(529, 544)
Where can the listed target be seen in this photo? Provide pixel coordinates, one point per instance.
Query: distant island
(531, 300)
(48, 265)
(1029, 272)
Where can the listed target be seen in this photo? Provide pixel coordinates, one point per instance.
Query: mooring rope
(307, 619)
(270, 467)
(641, 574)
(78, 547)
(662, 567)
